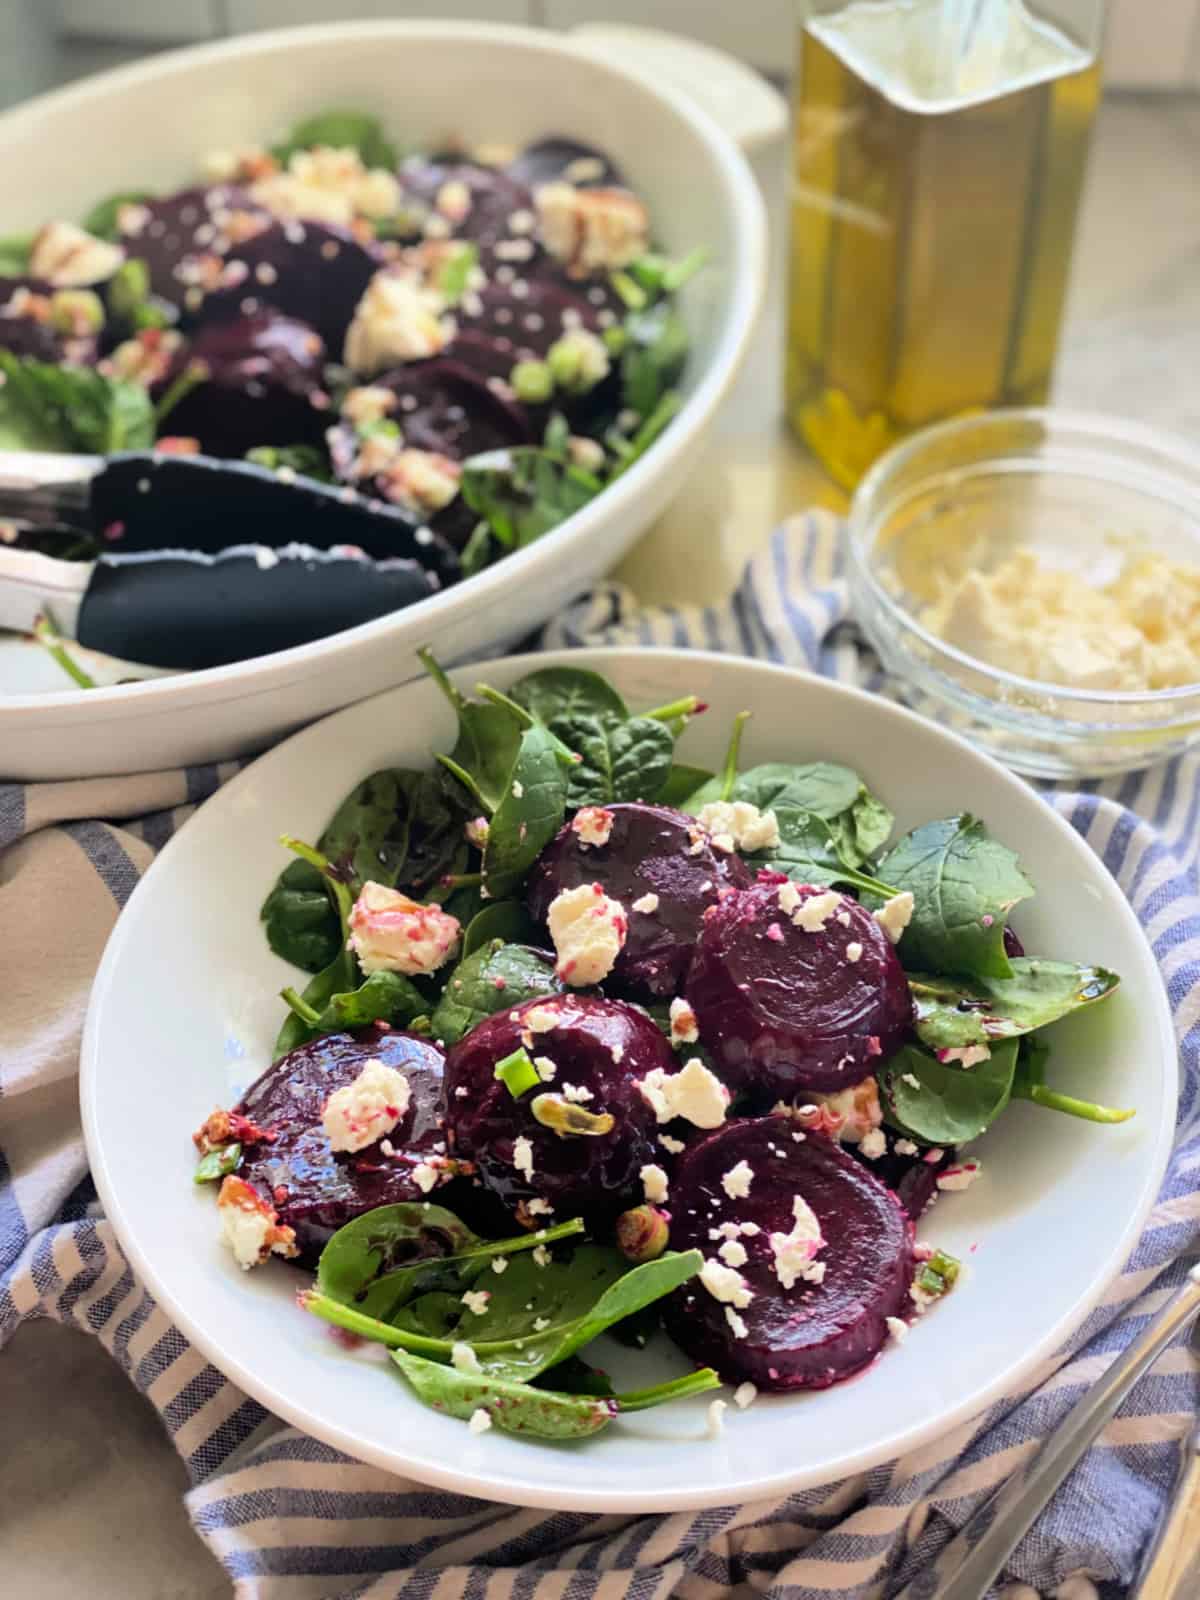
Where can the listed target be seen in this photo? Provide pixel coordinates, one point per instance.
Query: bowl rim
(732, 177)
(772, 1479)
(1101, 428)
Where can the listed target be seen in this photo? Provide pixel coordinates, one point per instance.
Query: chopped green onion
(532, 382)
(47, 635)
(129, 288)
(194, 374)
(218, 1163)
(678, 272)
(378, 428)
(454, 275)
(946, 1266)
(615, 340)
(634, 296)
(517, 1073)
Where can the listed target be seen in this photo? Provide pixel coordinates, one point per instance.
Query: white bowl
(150, 124)
(186, 1005)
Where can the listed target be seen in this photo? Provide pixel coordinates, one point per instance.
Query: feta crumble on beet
(546, 1068)
(541, 1019)
(873, 1144)
(854, 951)
(646, 904)
(744, 825)
(362, 1112)
(684, 1027)
(593, 825)
(794, 1251)
(426, 1176)
(812, 914)
(736, 1182)
(737, 1324)
(673, 1147)
(588, 930)
(654, 1183)
(522, 1156)
(694, 1093)
(733, 1253)
(895, 915)
(726, 1284)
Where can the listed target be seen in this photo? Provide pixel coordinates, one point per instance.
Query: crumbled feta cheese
(960, 1177)
(848, 1115)
(733, 1253)
(250, 1227)
(545, 1068)
(422, 480)
(71, 258)
(591, 230)
(895, 915)
(646, 904)
(898, 1329)
(541, 1255)
(391, 933)
(539, 1208)
(480, 1421)
(789, 898)
(873, 1144)
(518, 790)
(588, 930)
(684, 1027)
(736, 1182)
(854, 951)
(453, 200)
(328, 185)
(921, 1298)
(476, 1301)
(722, 842)
(693, 1093)
(577, 1093)
(911, 1079)
(463, 1357)
(541, 1019)
(426, 1176)
(540, 1324)
(361, 1112)
(745, 1394)
(523, 1156)
(368, 403)
(499, 1264)
(967, 1055)
(654, 1184)
(747, 826)
(593, 825)
(814, 911)
(675, 1147)
(716, 1418)
(843, 917)
(399, 318)
(726, 1284)
(794, 1251)
(737, 1324)
(905, 1147)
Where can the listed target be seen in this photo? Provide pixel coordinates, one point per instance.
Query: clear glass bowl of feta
(1032, 578)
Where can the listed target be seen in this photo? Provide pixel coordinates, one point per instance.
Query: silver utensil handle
(1171, 1569)
(969, 1564)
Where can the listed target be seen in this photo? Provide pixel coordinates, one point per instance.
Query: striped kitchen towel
(292, 1519)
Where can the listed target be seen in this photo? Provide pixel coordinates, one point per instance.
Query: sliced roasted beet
(312, 271)
(1012, 945)
(313, 1189)
(812, 1334)
(25, 330)
(650, 850)
(264, 385)
(913, 1178)
(600, 1049)
(522, 318)
(549, 160)
(782, 1009)
(183, 237)
(473, 202)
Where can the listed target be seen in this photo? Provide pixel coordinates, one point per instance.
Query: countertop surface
(91, 1489)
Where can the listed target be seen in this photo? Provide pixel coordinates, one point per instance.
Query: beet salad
(592, 1041)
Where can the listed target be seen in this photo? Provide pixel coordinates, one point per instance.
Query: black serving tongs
(200, 562)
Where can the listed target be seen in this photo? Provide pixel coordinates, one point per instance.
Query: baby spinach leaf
(492, 977)
(506, 920)
(627, 450)
(681, 783)
(627, 760)
(383, 997)
(807, 852)
(44, 407)
(513, 1407)
(567, 691)
(872, 822)
(953, 1012)
(721, 786)
(341, 130)
(1029, 1084)
(964, 883)
(101, 220)
(338, 978)
(301, 924)
(527, 815)
(489, 740)
(822, 787)
(399, 828)
(942, 1103)
(15, 250)
(525, 492)
(656, 347)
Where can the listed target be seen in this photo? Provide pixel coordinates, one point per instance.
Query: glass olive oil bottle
(939, 152)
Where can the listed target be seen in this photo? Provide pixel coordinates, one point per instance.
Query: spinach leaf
(542, 1413)
(338, 978)
(859, 822)
(628, 450)
(1029, 1084)
(399, 828)
(807, 852)
(567, 691)
(342, 130)
(44, 407)
(656, 347)
(964, 883)
(681, 783)
(492, 977)
(301, 924)
(506, 920)
(489, 740)
(525, 492)
(627, 760)
(955, 1012)
(304, 459)
(15, 251)
(102, 218)
(873, 824)
(383, 997)
(528, 814)
(720, 786)
(942, 1103)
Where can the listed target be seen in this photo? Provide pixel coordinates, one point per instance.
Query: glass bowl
(1080, 491)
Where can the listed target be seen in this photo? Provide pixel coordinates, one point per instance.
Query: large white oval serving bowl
(151, 124)
(186, 1005)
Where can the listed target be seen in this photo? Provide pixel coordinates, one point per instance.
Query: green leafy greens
(956, 1012)
(45, 407)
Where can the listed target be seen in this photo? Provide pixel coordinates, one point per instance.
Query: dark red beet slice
(650, 850)
(494, 198)
(173, 236)
(548, 160)
(264, 385)
(813, 1334)
(783, 1010)
(599, 1046)
(912, 1178)
(1012, 945)
(312, 271)
(313, 1189)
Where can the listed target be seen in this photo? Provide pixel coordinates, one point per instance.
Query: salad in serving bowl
(593, 1041)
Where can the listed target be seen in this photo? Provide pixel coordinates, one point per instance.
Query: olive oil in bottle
(933, 208)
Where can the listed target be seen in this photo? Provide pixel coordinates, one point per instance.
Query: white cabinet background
(1152, 44)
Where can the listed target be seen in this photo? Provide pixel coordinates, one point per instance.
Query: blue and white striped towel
(292, 1519)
